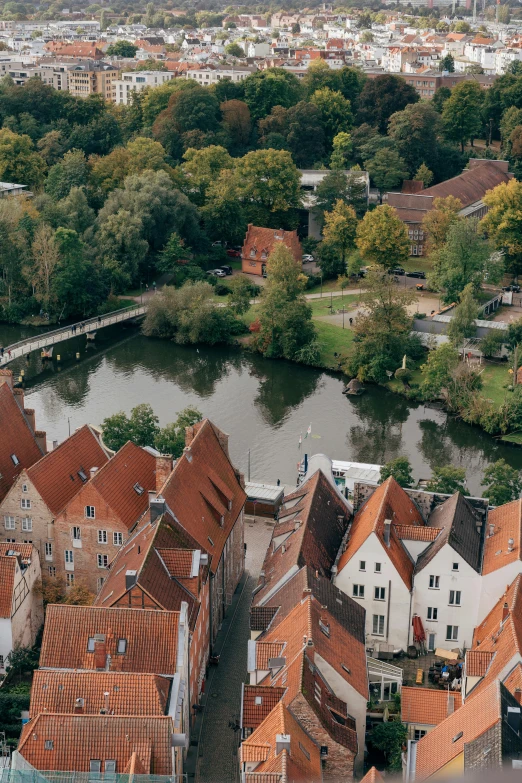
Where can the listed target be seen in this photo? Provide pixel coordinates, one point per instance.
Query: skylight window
(82, 474)
(15, 459)
(138, 489)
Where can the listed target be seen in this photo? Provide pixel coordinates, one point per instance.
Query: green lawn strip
(396, 385)
(333, 339)
(494, 378)
(516, 437)
(322, 306)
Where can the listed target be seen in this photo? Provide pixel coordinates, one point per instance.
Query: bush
(220, 288)
(403, 374)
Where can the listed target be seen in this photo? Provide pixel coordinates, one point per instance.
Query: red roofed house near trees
(259, 243)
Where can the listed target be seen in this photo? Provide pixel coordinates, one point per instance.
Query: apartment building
(93, 77)
(133, 82)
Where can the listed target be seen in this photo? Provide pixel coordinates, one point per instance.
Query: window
(455, 567)
(122, 646)
(52, 571)
(91, 644)
(419, 734)
(110, 764)
(358, 591)
(304, 751)
(25, 503)
(103, 561)
(434, 582)
(102, 536)
(24, 487)
(378, 624)
(69, 556)
(27, 524)
(90, 512)
(95, 765)
(77, 534)
(362, 565)
(49, 745)
(117, 539)
(433, 613)
(69, 579)
(48, 551)
(1, 661)
(379, 593)
(378, 568)
(452, 633)
(454, 597)
(9, 523)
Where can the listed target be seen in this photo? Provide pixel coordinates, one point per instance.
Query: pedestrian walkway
(215, 756)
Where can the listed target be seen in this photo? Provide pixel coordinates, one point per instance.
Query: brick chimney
(6, 376)
(41, 439)
(19, 397)
(30, 416)
(100, 655)
(163, 470)
(78, 706)
(505, 612)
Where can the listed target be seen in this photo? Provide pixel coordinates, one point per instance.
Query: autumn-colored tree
(424, 175)
(503, 221)
(437, 221)
(382, 237)
(340, 229)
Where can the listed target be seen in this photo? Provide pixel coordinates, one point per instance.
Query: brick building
(21, 608)
(95, 523)
(21, 445)
(205, 500)
(260, 242)
(40, 492)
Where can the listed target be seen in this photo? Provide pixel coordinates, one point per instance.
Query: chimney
(30, 416)
(6, 376)
(78, 706)
(19, 397)
(131, 577)
(491, 529)
(505, 612)
(100, 655)
(387, 530)
(282, 743)
(157, 507)
(93, 472)
(190, 434)
(511, 545)
(163, 470)
(451, 705)
(41, 440)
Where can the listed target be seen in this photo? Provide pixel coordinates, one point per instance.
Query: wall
(6, 639)
(228, 573)
(39, 513)
(199, 646)
(28, 615)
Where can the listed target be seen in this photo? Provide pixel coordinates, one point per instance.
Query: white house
(135, 81)
(21, 608)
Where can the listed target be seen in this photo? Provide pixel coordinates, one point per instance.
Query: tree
(122, 49)
(503, 222)
(171, 439)
(69, 172)
(18, 160)
(173, 251)
(502, 483)
(437, 222)
(223, 213)
(342, 148)
(334, 110)
(447, 479)
(304, 133)
(141, 428)
(461, 116)
(116, 431)
(415, 130)
(340, 228)
(387, 170)
(51, 146)
(438, 370)
(78, 215)
(121, 247)
(75, 282)
(491, 343)
(400, 469)
(45, 260)
(447, 63)
(201, 167)
(424, 175)
(296, 28)
(237, 122)
(382, 238)
(462, 324)
(269, 185)
(240, 294)
(271, 87)
(383, 96)
(439, 98)
(285, 316)
(145, 155)
(351, 188)
(465, 259)
(234, 50)
(196, 109)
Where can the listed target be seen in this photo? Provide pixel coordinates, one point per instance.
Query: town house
(260, 242)
(502, 560)
(95, 523)
(40, 492)
(21, 607)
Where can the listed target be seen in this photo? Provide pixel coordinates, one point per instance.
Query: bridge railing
(49, 338)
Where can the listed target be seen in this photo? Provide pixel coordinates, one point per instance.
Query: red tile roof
(76, 739)
(199, 489)
(471, 185)
(259, 243)
(25, 551)
(507, 527)
(129, 693)
(412, 533)
(372, 776)
(152, 638)
(56, 476)
(7, 580)
(389, 501)
(258, 701)
(17, 440)
(427, 706)
(477, 662)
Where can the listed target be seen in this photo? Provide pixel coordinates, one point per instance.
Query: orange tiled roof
(204, 493)
(7, 580)
(56, 476)
(259, 243)
(267, 650)
(258, 702)
(513, 682)
(477, 662)
(389, 501)
(76, 739)
(507, 524)
(427, 706)
(447, 740)
(372, 776)
(412, 533)
(24, 550)
(152, 638)
(129, 693)
(17, 440)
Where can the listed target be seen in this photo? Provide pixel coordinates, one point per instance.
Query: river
(263, 404)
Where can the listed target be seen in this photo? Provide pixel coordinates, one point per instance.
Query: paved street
(215, 759)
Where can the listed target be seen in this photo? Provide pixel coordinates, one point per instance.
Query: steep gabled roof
(7, 579)
(56, 476)
(17, 440)
(427, 706)
(259, 243)
(388, 501)
(372, 776)
(258, 701)
(507, 528)
(457, 522)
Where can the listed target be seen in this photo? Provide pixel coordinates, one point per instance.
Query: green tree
(173, 251)
(503, 222)
(438, 370)
(75, 285)
(171, 439)
(51, 146)
(383, 96)
(240, 294)
(465, 259)
(502, 483)
(340, 228)
(350, 188)
(271, 87)
(237, 122)
(462, 324)
(424, 175)
(447, 63)
(382, 238)
(78, 215)
(223, 213)
(415, 130)
(461, 116)
(19, 162)
(234, 50)
(335, 112)
(439, 98)
(447, 479)
(268, 184)
(491, 343)
(69, 172)
(387, 170)
(285, 316)
(342, 148)
(145, 155)
(401, 471)
(122, 49)
(121, 247)
(116, 430)
(195, 110)
(305, 137)
(143, 425)
(201, 167)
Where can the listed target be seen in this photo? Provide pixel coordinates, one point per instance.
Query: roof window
(15, 459)
(258, 701)
(458, 736)
(49, 745)
(138, 489)
(82, 474)
(122, 646)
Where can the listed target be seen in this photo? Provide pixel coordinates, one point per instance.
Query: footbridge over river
(45, 341)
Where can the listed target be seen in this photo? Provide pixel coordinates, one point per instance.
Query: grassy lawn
(321, 307)
(333, 339)
(398, 386)
(417, 264)
(495, 376)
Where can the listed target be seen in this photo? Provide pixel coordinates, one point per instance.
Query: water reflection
(378, 434)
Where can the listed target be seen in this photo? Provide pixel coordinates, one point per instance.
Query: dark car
(515, 288)
(233, 253)
(397, 271)
(420, 275)
(226, 269)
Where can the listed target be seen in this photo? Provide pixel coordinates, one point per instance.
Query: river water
(263, 404)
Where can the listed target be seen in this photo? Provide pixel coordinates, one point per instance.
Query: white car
(217, 272)
(307, 258)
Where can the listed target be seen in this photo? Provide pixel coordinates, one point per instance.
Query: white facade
(26, 616)
(207, 76)
(137, 81)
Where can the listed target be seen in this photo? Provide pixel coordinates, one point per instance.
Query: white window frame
(90, 512)
(9, 522)
(69, 579)
(434, 583)
(117, 539)
(362, 565)
(455, 597)
(77, 533)
(51, 571)
(378, 621)
(452, 637)
(102, 560)
(358, 591)
(69, 556)
(25, 503)
(102, 537)
(27, 524)
(379, 594)
(432, 614)
(378, 568)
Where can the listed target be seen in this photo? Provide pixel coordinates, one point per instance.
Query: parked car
(218, 243)
(513, 287)
(307, 258)
(397, 271)
(226, 269)
(420, 275)
(217, 272)
(233, 253)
